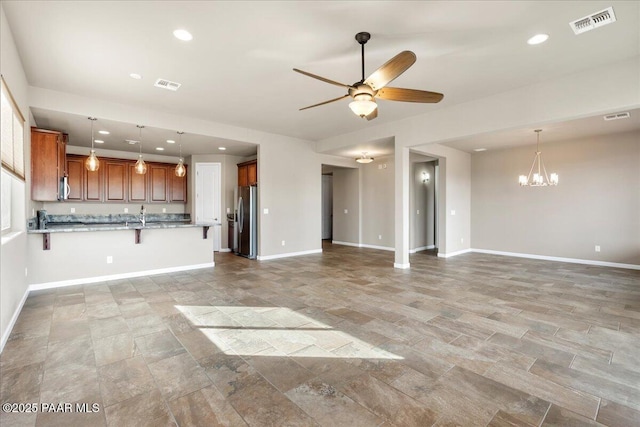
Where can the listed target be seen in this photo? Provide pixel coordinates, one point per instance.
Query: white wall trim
(363, 245)
(225, 250)
(403, 266)
(14, 319)
(559, 259)
(290, 254)
(450, 254)
(421, 248)
(336, 242)
(87, 280)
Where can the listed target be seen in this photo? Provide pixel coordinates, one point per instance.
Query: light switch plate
(265, 211)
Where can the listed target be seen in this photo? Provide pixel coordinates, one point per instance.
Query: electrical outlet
(228, 210)
(597, 248)
(283, 243)
(73, 210)
(418, 212)
(109, 259)
(26, 272)
(164, 210)
(462, 240)
(346, 211)
(379, 236)
(126, 210)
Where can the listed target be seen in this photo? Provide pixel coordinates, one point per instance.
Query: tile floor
(335, 339)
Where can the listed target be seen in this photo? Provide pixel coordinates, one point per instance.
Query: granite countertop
(83, 223)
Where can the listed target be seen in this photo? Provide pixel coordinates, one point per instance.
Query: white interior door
(208, 198)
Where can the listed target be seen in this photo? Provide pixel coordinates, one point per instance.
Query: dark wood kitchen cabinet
(159, 182)
(84, 185)
(248, 173)
(75, 178)
(177, 186)
(115, 175)
(48, 165)
(137, 184)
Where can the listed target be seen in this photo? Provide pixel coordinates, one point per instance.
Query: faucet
(143, 220)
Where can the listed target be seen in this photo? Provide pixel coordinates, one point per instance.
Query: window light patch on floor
(276, 331)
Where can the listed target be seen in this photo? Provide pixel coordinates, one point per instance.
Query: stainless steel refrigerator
(248, 221)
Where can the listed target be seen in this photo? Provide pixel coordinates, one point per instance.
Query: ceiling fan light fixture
(363, 105)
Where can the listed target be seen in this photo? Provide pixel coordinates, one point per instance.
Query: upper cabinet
(48, 165)
(116, 181)
(248, 173)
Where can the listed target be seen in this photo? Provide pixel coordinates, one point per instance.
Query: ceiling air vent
(166, 84)
(617, 116)
(593, 21)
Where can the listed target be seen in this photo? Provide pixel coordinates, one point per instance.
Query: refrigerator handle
(240, 214)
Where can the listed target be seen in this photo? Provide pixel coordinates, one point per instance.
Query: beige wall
(346, 195)
(13, 252)
(289, 185)
(377, 202)
(597, 201)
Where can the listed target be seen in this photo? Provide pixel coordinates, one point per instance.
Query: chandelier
(539, 178)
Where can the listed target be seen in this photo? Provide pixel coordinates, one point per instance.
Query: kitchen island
(85, 249)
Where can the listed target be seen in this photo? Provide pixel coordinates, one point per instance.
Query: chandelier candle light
(92, 163)
(141, 166)
(180, 169)
(539, 178)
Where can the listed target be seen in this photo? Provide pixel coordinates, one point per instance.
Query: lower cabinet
(116, 181)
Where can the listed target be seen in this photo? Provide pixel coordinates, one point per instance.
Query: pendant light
(540, 178)
(141, 166)
(92, 163)
(180, 169)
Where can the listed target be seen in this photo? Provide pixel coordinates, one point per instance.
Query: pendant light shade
(363, 105)
(180, 169)
(141, 166)
(92, 163)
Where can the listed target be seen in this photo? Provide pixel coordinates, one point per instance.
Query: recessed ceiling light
(98, 141)
(538, 38)
(170, 141)
(222, 148)
(159, 148)
(183, 35)
(103, 132)
(479, 149)
(135, 76)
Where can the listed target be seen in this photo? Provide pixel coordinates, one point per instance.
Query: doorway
(208, 198)
(327, 206)
(424, 205)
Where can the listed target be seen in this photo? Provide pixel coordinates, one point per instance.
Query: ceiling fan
(366, 90)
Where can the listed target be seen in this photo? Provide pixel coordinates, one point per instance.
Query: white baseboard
(450, 254)
(290, 254)
(559, 259)
(403, 266)
(13, 320)
(362, 245)
(421, 248)
(225, 250)
(87, 280)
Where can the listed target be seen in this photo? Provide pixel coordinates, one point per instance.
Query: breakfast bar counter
(89, 248)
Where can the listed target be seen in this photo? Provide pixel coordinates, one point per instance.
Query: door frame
(216, 187)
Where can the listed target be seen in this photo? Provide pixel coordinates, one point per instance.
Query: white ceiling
(238, 68)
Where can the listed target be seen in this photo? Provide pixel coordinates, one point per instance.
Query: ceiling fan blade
(326, 102)
(373, 115)
(409, 95)
(391, 69)
(322, 78)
